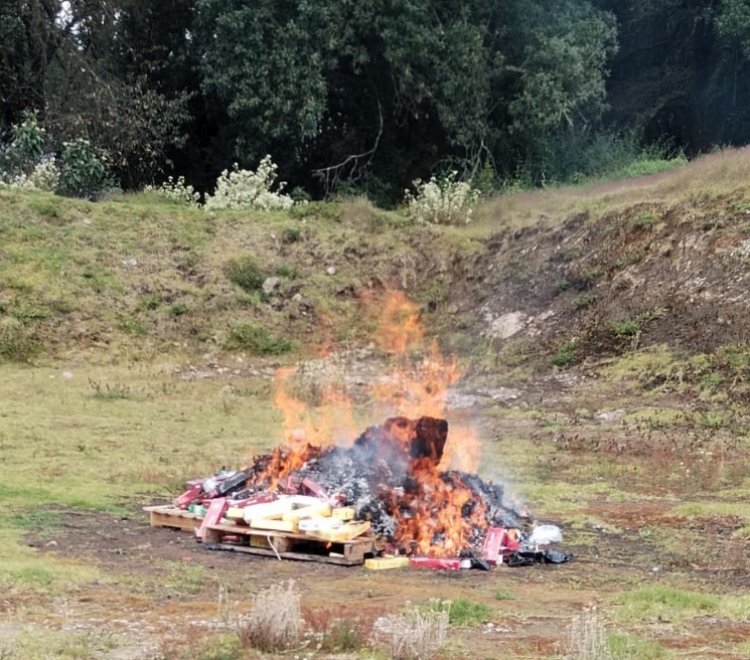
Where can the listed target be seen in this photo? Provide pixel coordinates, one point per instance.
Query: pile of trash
(387, 484)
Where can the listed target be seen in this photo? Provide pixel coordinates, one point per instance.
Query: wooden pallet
(283, 545)
(164, 515)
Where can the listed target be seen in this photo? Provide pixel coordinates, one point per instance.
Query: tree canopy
(372, 94)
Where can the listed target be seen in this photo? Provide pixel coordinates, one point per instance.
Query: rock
(130, 262)
(271, 284)
(67, 375)
(331, 270)
(610, 415)
(297, 297)
(502, 394)
(508, 325)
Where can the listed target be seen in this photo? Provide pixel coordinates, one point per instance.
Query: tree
(356, 91)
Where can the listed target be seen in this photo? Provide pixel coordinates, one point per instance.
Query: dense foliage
(374, 94)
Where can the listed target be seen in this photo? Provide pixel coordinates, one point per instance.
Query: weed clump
(257, 340)
(275, 620)
(462, 612)
(442, 201)
(16, 341)
(248, 190)
(245, 273)
(565, 355)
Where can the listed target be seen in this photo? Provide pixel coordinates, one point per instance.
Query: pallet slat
(287, 545)
(169, 516)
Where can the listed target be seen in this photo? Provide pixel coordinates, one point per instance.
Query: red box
(213, 516)
(439, 563)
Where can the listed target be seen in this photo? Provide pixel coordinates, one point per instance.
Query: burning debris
(403, 488)
(388, 485)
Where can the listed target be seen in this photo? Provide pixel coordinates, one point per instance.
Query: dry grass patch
(275, 619)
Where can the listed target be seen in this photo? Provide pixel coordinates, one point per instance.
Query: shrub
(83, 170)
(177, 191)
(257, 340)
(275, 620)
(416, 635)
(565, 355)
(44, 177)
(245, 273)
(443, 201)
(16, 341)
(21, 155)
(245, 189)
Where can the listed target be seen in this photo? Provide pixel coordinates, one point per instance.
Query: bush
(83, 170)
(565, 355)
(20, 156)
(245, 273)
(257, 340)
(275, 620)
(245, 189)
(442, 201)
(16, 341)
(44, 177)
(177, 191)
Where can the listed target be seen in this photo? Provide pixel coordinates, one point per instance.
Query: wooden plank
(298, 556)
(385, 563)
(273, 525)
(347, 532)
(214, 534)
(318, 510)
(160, 519)
(267, 510)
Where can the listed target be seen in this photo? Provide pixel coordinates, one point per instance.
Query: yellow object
(319, 510)
(273, 525)
(344, 533)
(267, 510)
(384, 563)
(235, 513)
(344, 513)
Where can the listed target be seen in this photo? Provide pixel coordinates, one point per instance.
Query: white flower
(245, 189)
(442, 201)
(177, 191)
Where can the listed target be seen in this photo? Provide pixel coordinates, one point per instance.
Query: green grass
(662, 603)
(463, 612)
(109, 279)
(258, 340)
(96, 452)
(624, 646)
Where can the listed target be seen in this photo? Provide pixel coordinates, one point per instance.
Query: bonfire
(409, 482)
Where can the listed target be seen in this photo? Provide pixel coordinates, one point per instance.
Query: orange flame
(437, 516)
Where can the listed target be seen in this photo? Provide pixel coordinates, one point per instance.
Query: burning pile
(404, 481)
(390, 476)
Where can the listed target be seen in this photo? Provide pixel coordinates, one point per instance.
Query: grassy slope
(139, 277)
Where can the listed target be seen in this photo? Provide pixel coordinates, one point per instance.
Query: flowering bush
(443, 201)
(177, 191)
(44, 177)
(21, 155)
(245, 189)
